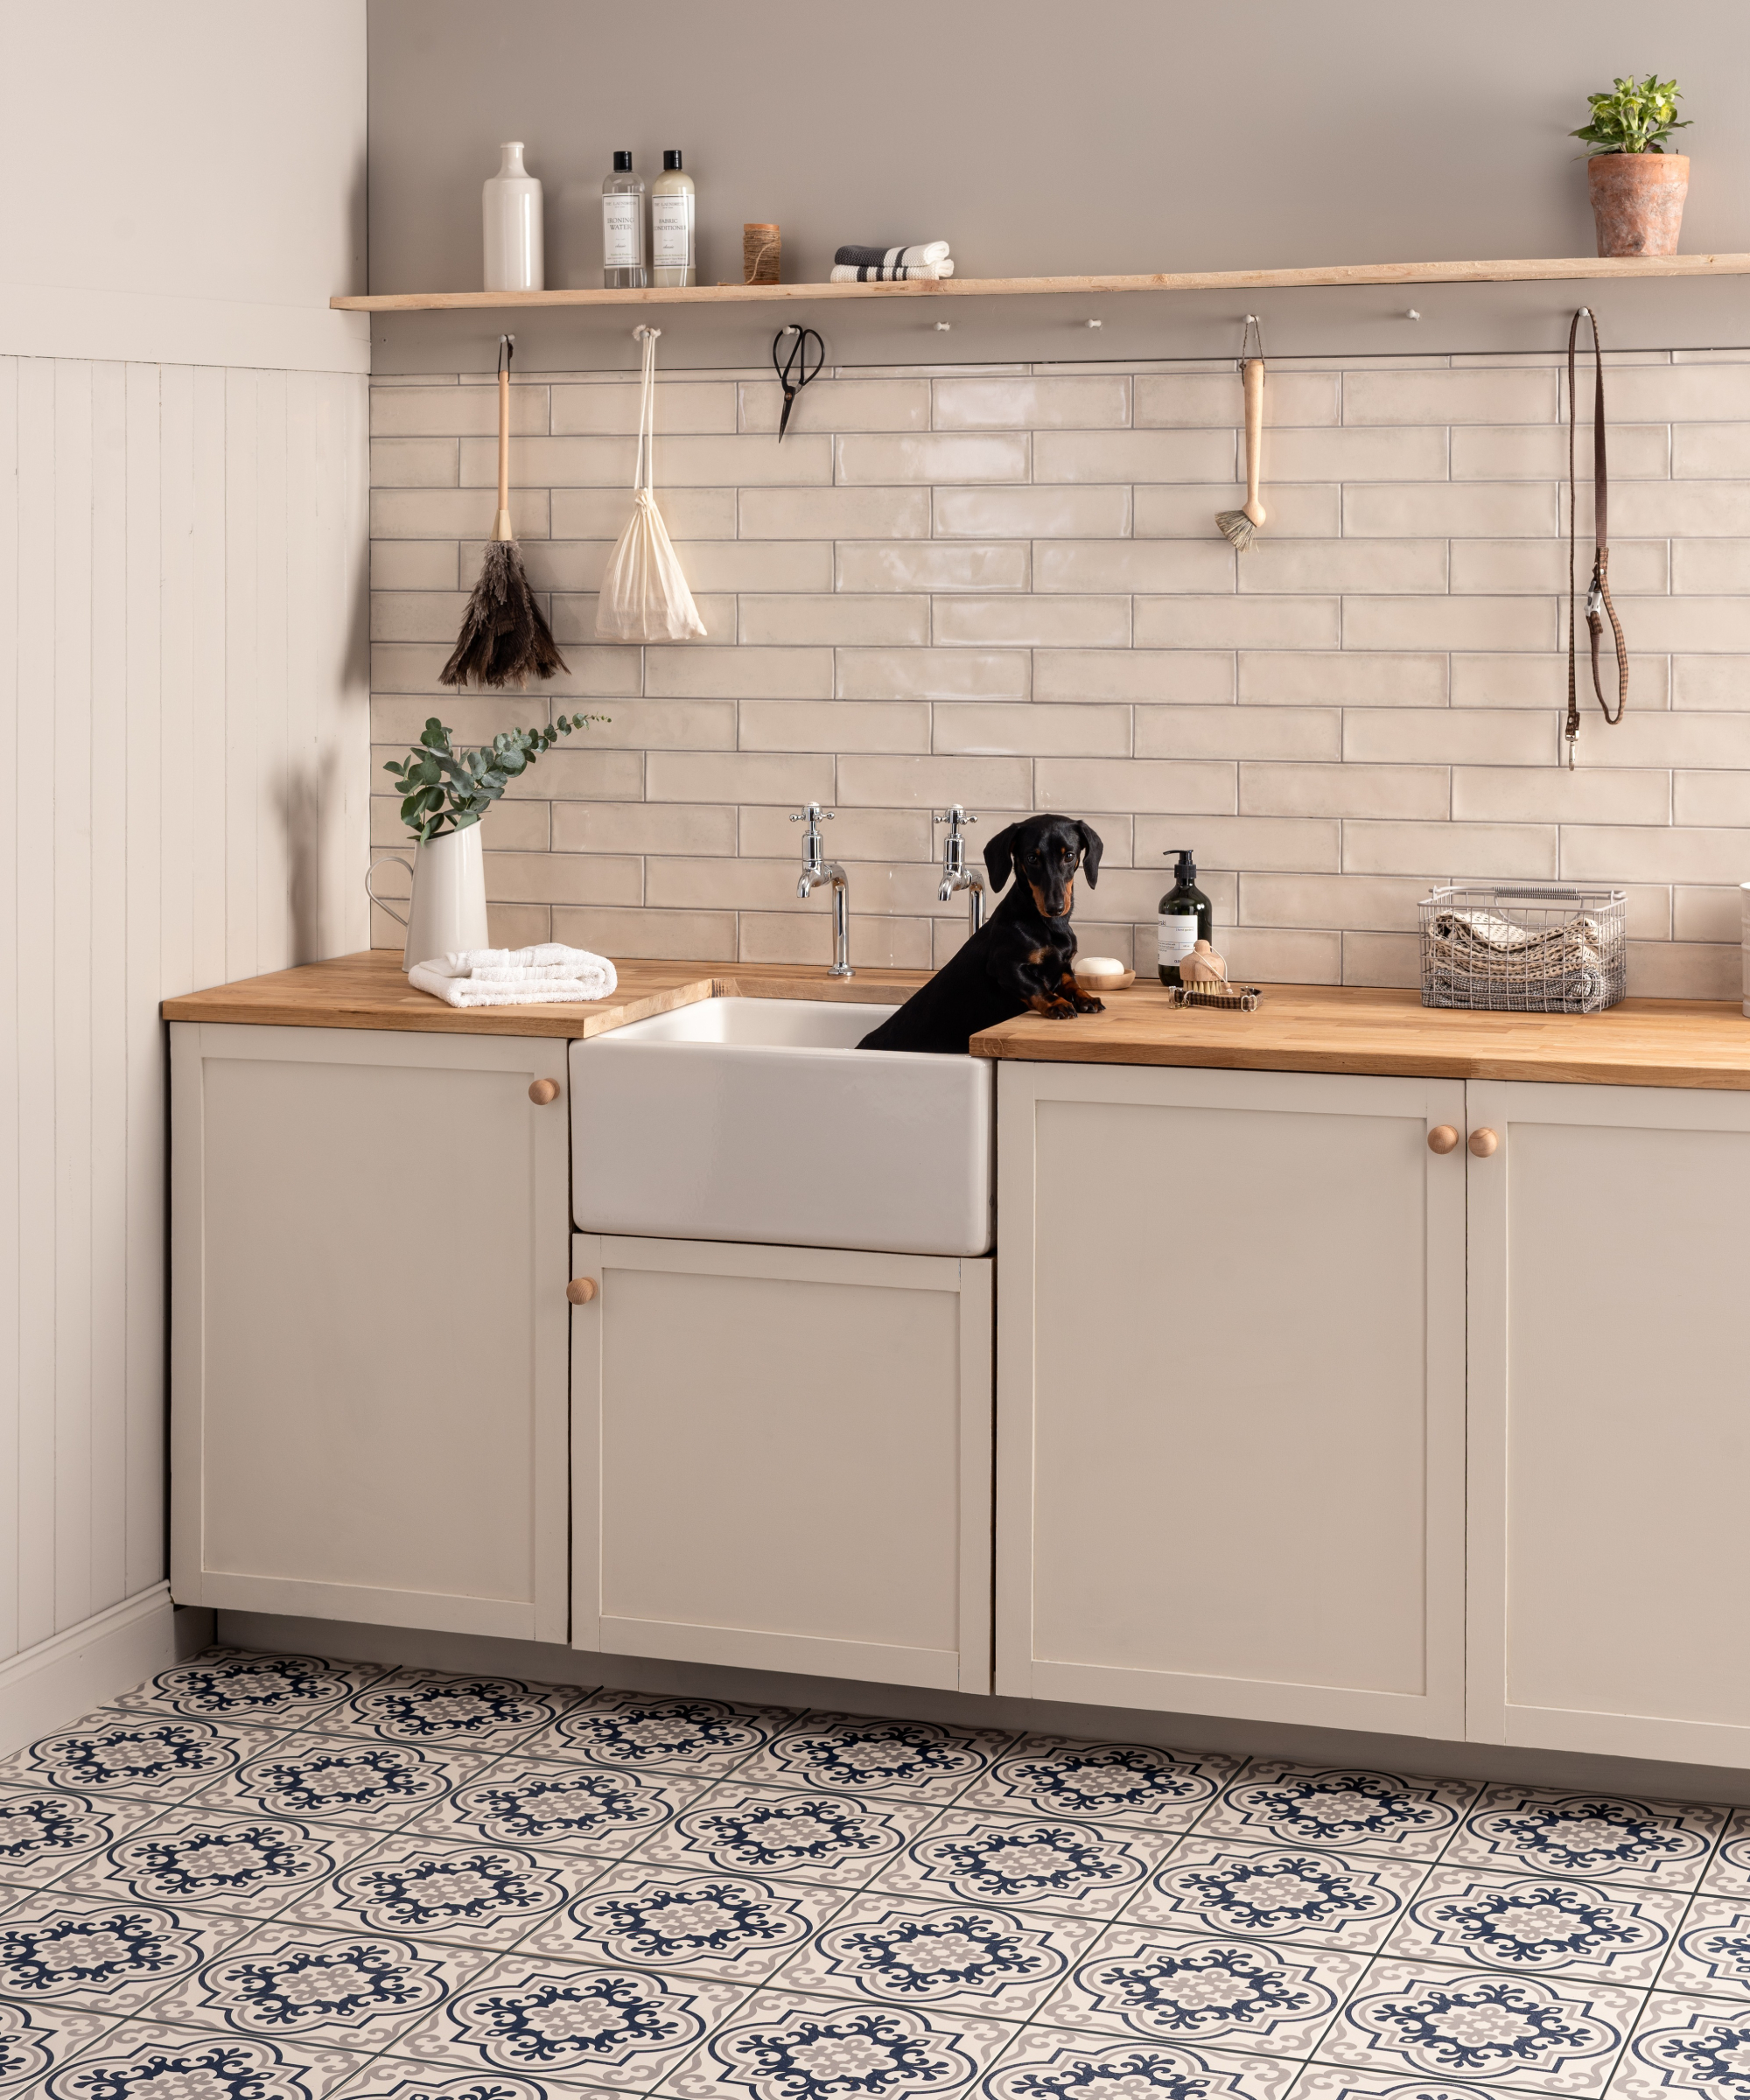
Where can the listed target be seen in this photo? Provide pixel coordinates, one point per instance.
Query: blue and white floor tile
(1033, 1863)
(1712, 1956)
(733, 1927)
(36, 2040)
(1540, 1926)
(1588, 1837)
(467, 1713)
(103, 1958)
(1348, 1808)
(252, 1864)
(558, 1807)
(484, 1896)
(953, 1957)
(1686, 2048)
(390, 2078)
(692, 1739)
(1728, 1873)
(789, 1836)
(231, 1684)
(345, 1779)
(1102, 1782)
(779, 2048)
(45, 1833)
(1352, 1901)
(845, 1754)
(141, 2060)
(1339, 2081)
(1047, 2063)
(143, 1756)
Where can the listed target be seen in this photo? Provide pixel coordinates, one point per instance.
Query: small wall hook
(943, 328)
(642, 331)
(1093, 323)
(1413, 315)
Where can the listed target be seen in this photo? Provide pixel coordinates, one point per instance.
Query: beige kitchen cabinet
(1610, 1420)
(781, 1458)
(1231, 1380)
(369, 1326)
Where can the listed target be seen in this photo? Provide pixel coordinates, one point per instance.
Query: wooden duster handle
(501, 522)
(1253, 382)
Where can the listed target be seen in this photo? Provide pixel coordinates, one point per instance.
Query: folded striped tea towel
(548, 972)
(921, 252)
(851, 273)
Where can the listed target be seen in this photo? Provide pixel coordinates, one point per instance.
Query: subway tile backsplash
(1005, 587)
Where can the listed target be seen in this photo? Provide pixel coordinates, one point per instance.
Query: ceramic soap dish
(1098, 974)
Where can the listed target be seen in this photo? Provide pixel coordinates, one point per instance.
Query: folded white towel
(847, 273)
(891, 258)
(547, 973)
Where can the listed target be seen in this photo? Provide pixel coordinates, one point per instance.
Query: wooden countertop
(1298, 1027)
(1325, 1028)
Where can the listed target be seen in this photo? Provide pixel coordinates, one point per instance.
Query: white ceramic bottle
(510, 217)
(674, 257)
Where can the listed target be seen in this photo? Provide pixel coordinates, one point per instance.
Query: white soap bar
(1098, 966)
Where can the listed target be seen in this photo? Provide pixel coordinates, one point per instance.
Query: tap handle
(812, 816)
(954, 817)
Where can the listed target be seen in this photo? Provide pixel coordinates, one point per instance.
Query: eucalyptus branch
(443, 788)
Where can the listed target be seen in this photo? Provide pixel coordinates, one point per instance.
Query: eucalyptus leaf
(446, 789)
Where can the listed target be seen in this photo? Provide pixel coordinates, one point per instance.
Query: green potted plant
(445, 793)
(1637, 188)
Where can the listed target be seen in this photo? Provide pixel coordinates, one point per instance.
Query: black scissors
(794, 373)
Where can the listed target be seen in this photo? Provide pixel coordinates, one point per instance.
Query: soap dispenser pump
(1185, 917)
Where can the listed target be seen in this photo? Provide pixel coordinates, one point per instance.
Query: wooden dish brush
(1242, 526)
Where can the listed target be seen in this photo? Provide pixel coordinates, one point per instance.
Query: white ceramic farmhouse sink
(760, 1119)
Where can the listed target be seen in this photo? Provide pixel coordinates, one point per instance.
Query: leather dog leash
(1597, 593)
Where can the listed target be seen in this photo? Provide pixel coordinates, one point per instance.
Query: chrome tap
(955, 875)
(815, 869)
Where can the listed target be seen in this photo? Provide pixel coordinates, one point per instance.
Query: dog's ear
(999, 857)
(1092, 848)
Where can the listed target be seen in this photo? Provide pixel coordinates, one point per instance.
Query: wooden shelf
(1354, 273)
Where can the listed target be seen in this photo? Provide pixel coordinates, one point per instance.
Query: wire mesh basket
(1540, 948)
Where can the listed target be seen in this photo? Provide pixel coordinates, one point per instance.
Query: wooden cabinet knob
(1443, 1138)
(1482, 1144)
(543, 1090)
(581, 1289)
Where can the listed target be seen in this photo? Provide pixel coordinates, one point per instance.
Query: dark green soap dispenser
(1186, 917)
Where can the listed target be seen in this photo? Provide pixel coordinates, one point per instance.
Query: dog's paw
(1086, 1004)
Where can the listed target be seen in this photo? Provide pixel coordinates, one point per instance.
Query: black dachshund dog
(1021, 960)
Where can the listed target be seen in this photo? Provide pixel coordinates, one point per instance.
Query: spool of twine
(761, 253)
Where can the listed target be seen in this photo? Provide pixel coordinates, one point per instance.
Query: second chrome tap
(955, 875)
(816, 871)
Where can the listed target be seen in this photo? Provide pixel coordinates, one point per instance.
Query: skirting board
(47, 1686)
(540, 1662)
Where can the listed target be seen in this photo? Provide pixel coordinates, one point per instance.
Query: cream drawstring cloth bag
(644, 596)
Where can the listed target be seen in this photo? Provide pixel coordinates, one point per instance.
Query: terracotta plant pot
(1637, 199)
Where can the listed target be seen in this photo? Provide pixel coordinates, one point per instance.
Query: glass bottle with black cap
(1185, 917)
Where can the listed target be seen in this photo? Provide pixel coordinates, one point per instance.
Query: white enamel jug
(448, 910)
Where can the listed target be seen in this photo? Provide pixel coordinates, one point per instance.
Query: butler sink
(760, 1119)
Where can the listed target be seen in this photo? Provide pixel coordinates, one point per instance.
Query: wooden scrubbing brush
(1242, 526)
(505, 635)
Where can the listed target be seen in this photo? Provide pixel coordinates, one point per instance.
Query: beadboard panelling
(1005, 588)
(183, 687)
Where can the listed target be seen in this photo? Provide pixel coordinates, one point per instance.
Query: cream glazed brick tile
(1058, 512)
(737, 776)
(1694, 740)
(835, 514)
(1393, 960)
(931, 564)
(413, 463)
(612, 776)
(453, 411)
(511, 826)
(1713, 682)
(1184, 676)
(996, 456)
(1031, 622)
(1707, 915)
(833, 726)
(1101, 403)
(679, 936)
(1047, 2059)
(416, 615)
(1457, 623)
(1283, 564)
(1547, 793)
(1404, 453)
(1290, 845)
(1135, 456)
(1238, 732)
(563, 879)
(933, 783)
(1282, 678)
(839, 404)
(603, 513)
(1674, 969)
(1541, 680)
(1710, 798)
(1676, 394)
(1505, 396)
(1237, 623)
(399, 719)
(643, 828)
(1709, 451)
(1035, 730)
(1457, 852)
(454, 513)
(679, 462)
(709, 565)
(676, 883)
(1392, 736)
(872, 619)
(574, 620)
(886, 834)
(1297, 510)
(956, 674)
(1214, 398)
(1135, 784)
(1264, 956)
(414, 565)
(1672, 509)
(1440, 509)
(1688, 2045)
(1526, 452)
(1200, 565)
(730, 673)
(1267, 789)
(1134, 893)
(1541, 565)
(1687, 624)
(1366, 904)
(692, 406)
(1705, 565)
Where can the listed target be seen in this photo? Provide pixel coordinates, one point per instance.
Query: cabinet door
(367, 1322)
(781, 1458)
(1230, 1378)
(1610, 1421)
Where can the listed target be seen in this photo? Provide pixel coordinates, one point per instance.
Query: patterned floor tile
(1278, 1892)
(147, 1756)
(1348, 1808)
(233, 1685)
(1338, 2081)
(392, 2078)
(1686, 2045)
(733, 1927)
(1025, 1864)
(142, 2061)
(35, 2040)
(485, 1896)
(427, 1706)
(45, 1833)
(1728, 1871)
(1518, 2031)
(1049, 2063)
(1588, 1837)
(782, 2049)
(1211, 1993)
(572, 1808)
(846, 1754)
(341, 1779)
(790, 1836)
(1538, 1926)
(1712, 1956)
(693, 1738)
(953, 1957)
(286, 1982)
(250, 1864)
(619, 2028)
(103, 1958)
(1102, 1782)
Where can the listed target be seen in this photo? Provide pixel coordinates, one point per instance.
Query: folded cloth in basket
(871, 273)
(892, 258)
(1478, 956)
(516, 976)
